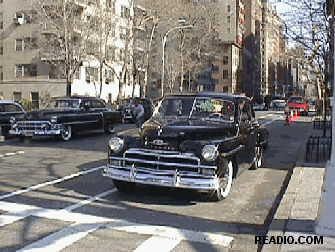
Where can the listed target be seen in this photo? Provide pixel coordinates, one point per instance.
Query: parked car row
(294, 103)
(199, 141)
(64, 117)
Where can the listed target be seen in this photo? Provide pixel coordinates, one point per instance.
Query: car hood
(46, 114)
(186, 129)
(297, 105)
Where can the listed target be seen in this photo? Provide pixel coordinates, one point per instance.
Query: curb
(283, 212)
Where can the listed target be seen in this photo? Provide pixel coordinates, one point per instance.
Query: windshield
(196, 108)
(280, 104)
(63, 103)
(296, 100)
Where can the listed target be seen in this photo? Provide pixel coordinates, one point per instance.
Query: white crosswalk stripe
(162, 238)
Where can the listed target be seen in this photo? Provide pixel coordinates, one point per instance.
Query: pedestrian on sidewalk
(138, 113)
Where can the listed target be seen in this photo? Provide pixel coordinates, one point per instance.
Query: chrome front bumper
(162, 168)
(35, 132)
(35, 128)
(173, 179)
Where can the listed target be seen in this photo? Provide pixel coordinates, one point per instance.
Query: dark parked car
(9, 109)
(66, 116)
(195, 141)
(277, 105)
(126, 107)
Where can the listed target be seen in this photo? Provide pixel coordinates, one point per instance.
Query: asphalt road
(54, 198)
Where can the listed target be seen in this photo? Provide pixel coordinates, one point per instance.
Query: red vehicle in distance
(298, 104)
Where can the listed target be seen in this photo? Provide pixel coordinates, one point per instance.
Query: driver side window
(245, 109)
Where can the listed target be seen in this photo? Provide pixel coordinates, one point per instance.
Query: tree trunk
(68, 89)
(146, 77)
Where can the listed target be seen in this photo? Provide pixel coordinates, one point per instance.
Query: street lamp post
(163, 51)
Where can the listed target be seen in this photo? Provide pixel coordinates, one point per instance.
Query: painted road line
(270, 122)
(90, 200)
(6, 219)
(18, 192)
(11, 154)
(122, 225)
(161, 244)
(61, 239)
(16, 212)
(174, 233)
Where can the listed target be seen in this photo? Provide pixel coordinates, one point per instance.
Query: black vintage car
(126, 107)
(66, 116)
(9, 109)
(196, 141)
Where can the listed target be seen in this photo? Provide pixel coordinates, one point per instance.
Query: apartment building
(251, 57)
(25, 73)
(231, 27)
(22, 73)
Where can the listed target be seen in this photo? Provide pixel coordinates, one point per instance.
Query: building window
(77, 74)
(228, 30)
(111, 53)
(125, 12)
(224, 74)
(225, 89)
(1, 47)
(1, 73)
(1, 20)
(228, 7)
(34, 100)
(109, 75)
(19, 71)
(225, 60)
(121, 55)
(25, 70)
(25, 44)
(124, 32)
(17, 96)
(19, 45)
(113, 30)
(96, 74)
(29, 43)
(228, 19)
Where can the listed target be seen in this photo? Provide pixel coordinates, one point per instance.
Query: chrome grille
(161, 160)
(31, 125)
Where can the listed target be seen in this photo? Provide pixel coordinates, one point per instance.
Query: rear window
(296, 100)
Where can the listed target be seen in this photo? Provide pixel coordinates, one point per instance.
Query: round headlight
(116, 144)
(12, 120)
(210, 152)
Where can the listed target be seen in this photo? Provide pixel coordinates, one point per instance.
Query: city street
(53, 197)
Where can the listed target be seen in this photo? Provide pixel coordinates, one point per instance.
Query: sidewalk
(299, 208)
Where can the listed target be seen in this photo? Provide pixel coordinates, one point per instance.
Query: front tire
(225, 178)
(109, 129)
(66, 133)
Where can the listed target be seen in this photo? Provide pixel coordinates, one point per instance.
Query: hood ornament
(159, 132)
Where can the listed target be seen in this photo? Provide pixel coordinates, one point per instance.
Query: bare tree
(308, 24)
(65, 28)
